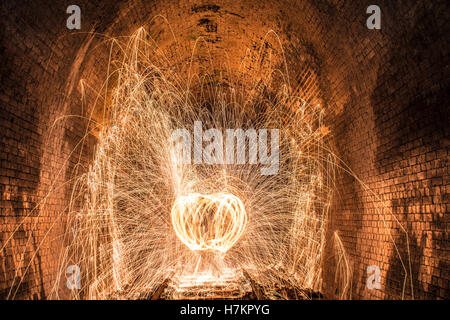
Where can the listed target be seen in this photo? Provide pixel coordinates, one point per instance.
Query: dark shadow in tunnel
(402, 275)
(23, 285)
(41, 274)
(411, 121)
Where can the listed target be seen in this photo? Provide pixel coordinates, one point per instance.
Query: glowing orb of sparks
(209, 222)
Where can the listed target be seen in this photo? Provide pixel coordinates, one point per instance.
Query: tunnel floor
(237, 286)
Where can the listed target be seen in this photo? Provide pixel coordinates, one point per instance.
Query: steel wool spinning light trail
(147, 216)
(209, 222)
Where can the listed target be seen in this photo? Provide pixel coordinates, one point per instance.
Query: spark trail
(146, 216)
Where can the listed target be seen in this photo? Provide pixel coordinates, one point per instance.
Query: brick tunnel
(384, 99)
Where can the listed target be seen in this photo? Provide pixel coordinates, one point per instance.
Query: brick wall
(384, 91)
(391, 128)
(41, 66)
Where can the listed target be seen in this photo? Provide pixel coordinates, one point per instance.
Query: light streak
(146, 216)
(209, 222)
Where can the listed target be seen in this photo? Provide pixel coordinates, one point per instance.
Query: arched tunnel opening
(224, 150)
